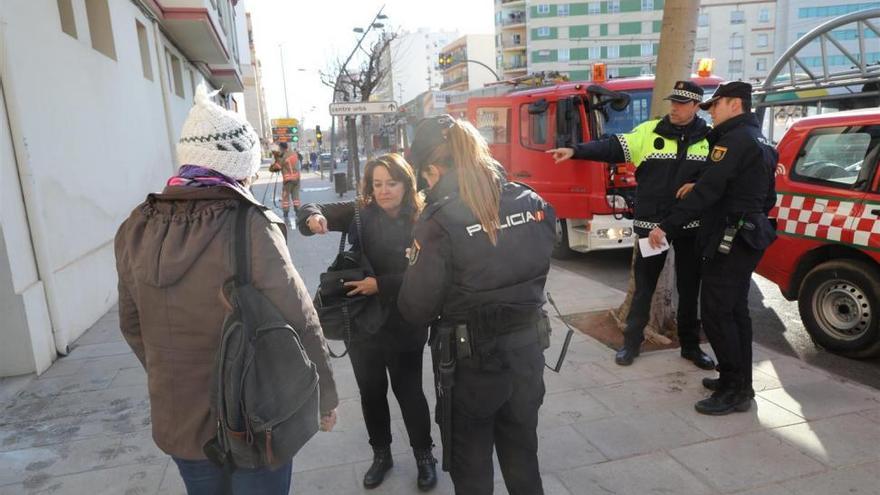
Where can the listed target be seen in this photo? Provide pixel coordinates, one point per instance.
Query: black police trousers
(725, 308)
(495, 402)
(371, 364)
(687, 282)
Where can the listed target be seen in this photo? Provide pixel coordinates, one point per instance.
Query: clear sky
(313, 34)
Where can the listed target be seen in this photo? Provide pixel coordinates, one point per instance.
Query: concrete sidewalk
(83, 427)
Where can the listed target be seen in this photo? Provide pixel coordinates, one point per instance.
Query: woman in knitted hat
(173, 257)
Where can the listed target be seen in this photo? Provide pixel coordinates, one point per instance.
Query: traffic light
(445, 60)
(318, 135)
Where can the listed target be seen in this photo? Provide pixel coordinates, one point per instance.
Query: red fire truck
(592, 200)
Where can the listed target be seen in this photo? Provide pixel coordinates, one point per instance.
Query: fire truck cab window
(638, 111)
(537, 130)
(494, 124)
(837, 156)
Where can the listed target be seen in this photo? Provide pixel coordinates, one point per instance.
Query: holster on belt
(444, 357)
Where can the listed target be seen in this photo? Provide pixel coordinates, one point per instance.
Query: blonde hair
(400, 170)
(479, 176)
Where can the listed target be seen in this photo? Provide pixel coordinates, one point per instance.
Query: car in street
(827, 255)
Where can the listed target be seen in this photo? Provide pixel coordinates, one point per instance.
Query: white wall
(480, 47)
(414, 56)
(92, 140)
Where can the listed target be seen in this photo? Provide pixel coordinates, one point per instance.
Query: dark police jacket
(666, 157)
(384, 243)
(454, 270)
(739, 184)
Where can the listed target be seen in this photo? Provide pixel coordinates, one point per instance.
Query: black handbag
(347, 318)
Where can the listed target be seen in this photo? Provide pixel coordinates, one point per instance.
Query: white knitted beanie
(215, 138)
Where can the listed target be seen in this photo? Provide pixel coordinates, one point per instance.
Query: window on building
(68, 20)
(764, 15)
(543, 32)
(761, 64)
(175, 73)
(144, 43)
(100, 27)
(763, 40)
(594, 8)
(613, 6)
(647, 49)
(647, 5)
(613, 73)
(562, 9)
(735, 67)
(594, 53)
(702, 45)
(736, 41)
(564, 54)
(737, 17)
(517, 39)
(614, 51)
(703, 20)
(543, 8)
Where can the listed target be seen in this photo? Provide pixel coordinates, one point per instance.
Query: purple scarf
(196, 176)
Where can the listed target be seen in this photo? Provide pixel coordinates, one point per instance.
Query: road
(776, 321)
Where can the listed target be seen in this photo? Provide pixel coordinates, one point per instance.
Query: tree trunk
(368, 142)
(674, 62)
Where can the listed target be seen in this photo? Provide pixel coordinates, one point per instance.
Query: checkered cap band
(687, 94)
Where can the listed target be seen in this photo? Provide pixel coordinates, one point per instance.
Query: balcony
(513, 20)
(455, 83)
(202, 29)
(508, 46)
(515, 66)
(512, 3)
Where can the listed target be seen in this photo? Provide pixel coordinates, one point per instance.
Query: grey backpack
(266, 388)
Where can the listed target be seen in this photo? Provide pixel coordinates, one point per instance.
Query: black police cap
(733, 89)
(430, 133)
(685, 92)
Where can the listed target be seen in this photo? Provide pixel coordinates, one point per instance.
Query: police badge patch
(718, 153)
(413, 252)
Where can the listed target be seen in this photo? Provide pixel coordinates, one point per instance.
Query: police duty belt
(641, 224)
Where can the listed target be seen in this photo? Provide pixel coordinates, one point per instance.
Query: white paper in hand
(648, 251)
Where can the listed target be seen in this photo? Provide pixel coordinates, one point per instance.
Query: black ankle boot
(626, 355)
(714, 384)
(731, 396)
(427, 466)
(382, 462)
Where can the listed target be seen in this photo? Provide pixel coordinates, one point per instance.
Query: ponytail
(479, 178)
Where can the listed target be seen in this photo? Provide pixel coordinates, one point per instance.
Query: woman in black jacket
(389, 209)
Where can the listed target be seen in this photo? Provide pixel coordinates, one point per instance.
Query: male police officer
(732, 198)
(669, 155)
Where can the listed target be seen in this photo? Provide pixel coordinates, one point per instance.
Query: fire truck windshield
(639, 110)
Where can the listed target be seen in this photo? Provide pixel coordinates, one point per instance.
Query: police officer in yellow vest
(669, 155)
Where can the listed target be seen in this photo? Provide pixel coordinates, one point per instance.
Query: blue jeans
(203, 477)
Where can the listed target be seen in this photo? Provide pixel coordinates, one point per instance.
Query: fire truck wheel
(561, 251)
(839, 302)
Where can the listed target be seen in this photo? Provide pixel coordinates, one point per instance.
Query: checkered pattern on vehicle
(833, 219)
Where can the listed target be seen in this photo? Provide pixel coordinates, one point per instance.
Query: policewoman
(732, 200)
(669, 155)
(477, 269)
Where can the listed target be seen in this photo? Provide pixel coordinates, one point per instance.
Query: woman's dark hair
(400, 170)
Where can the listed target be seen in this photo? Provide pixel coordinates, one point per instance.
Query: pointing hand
(561, 154)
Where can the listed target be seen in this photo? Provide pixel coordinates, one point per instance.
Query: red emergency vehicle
(593, 200)
(828, 222)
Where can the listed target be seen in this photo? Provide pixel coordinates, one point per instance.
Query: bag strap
(241, 267)
(346, 342)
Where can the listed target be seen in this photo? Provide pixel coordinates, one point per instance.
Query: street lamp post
(284, 80)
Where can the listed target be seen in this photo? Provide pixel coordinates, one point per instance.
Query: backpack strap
(241, 266)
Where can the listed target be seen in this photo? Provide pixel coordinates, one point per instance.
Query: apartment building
(94, 93)
(740, 37)
(462, 70)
